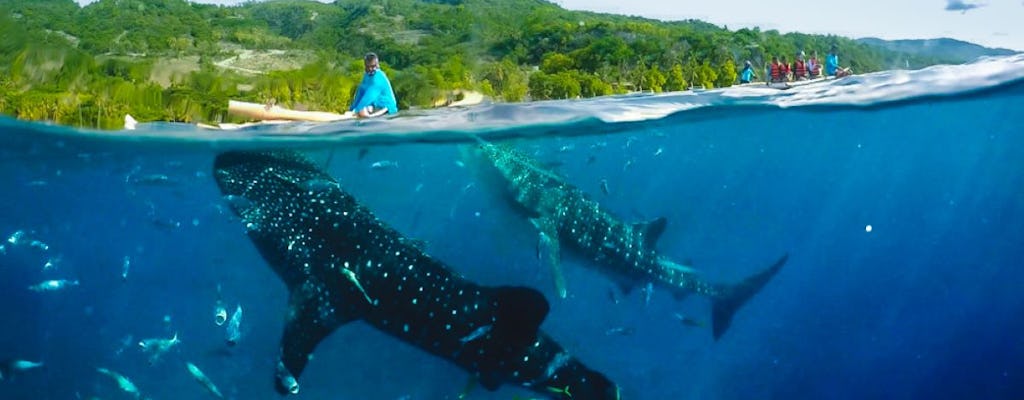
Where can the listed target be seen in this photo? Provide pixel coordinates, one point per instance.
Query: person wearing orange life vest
(799, 67)
(785, 69)
(775, 70)
(813, 66)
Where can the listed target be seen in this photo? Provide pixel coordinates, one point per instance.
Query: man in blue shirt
(374, 96)
(747, 74)
(832, 65)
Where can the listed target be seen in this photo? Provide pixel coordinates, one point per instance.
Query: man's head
(371, 63)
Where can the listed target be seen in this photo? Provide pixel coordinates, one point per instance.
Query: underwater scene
(852, 238)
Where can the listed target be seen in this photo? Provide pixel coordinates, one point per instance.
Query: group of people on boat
(779, 70)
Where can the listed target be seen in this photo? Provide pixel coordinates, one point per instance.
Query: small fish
(203, 380)
(591, 159)
(3, 249)
(604, 187)
(686, 267)
(658, 151)
(362, 153)
(37, 183)
(158, 346)
(124, 268)
(286, 379)
(11, 367)
(628, 164)
(566, 148)
(352, 277)
(220, 314)
(151, 179)
(384, 164)
(619, 330)
(687, 321)
(165, 223)
(51, 263)
(648, 292)
(122, 382)
(234, 331)
(563, 391)
(126, 342)
(478, 333)
(614, 297)
(460, 164)
(318, 185)
(15, 238)
(39, 245)
(52, 285)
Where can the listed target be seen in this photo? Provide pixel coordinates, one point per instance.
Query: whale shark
(342, 264)
(564, 215)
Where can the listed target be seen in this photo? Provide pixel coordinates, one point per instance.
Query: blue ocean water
(925, 303)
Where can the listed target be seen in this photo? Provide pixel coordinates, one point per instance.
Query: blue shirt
(747, 74)
(375, 90)
(831, 64)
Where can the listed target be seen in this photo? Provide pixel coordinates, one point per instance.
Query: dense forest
(172, 60)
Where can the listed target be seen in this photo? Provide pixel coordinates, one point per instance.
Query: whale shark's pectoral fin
(549, 251)
(651, 230)
(309, 322)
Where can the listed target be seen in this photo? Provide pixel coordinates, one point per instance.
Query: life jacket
(812, 67)
(799, 69)
(776, 71)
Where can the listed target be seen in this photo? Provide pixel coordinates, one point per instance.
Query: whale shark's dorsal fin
(651, 230)
(304, 329)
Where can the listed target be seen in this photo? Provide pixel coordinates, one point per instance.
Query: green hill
(174, 60)
(933, 51)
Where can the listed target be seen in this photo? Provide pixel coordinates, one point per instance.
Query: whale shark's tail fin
(724, 306)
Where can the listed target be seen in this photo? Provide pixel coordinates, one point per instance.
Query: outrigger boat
(269, 114)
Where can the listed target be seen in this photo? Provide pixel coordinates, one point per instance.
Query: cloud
(961, 5)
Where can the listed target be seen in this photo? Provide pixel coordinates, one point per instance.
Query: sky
(992, 23)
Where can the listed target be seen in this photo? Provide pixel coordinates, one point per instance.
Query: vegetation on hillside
(88, 66)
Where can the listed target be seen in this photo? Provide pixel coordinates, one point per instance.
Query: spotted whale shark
(563, 214)
(341, 264)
